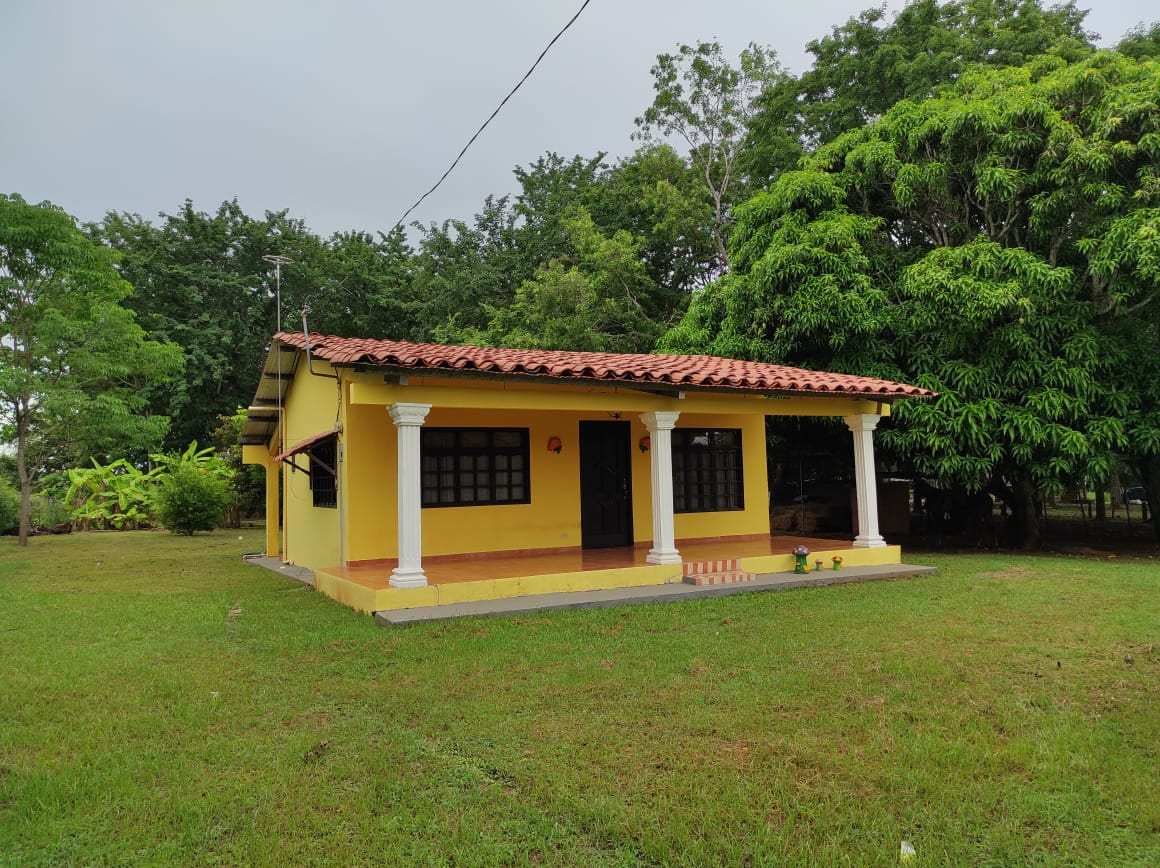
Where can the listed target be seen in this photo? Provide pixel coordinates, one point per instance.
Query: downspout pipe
(309, 358)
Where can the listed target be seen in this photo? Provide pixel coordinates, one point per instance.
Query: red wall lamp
(645, 443)
(555, 444)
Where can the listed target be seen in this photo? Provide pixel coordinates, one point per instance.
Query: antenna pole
(277, 260)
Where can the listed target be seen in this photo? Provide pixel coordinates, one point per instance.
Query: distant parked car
(1135, 494)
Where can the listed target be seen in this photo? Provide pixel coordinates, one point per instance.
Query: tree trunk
(1115, 489)
(25, 479)
(1025, 516)
(1101, 508)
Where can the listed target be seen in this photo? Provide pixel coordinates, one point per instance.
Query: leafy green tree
(997, 243)
(474, 281)
(656, 196)
(701, 99)
(597, 297)
(1142, 42)
(9, 508)
(462, 270)
(363, 288)
(200, 282)
(245, 483)
(865, 66)
(551, 189)
(73, 360)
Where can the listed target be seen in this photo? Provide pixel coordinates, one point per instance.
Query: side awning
(305, 446)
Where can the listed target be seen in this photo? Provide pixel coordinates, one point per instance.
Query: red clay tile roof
(693, 371)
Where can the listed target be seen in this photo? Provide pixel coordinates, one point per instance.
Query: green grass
(162, 702)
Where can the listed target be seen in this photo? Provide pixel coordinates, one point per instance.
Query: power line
(491, 117)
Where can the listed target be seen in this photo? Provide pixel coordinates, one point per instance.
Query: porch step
(700, 568)
(728, 577)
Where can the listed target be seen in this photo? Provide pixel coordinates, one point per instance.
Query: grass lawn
(162, 702)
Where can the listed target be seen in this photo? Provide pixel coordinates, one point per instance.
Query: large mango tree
(1000, 244)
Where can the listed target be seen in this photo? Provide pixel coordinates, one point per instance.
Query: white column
(866, 485)
(664, 541)
(408, 418)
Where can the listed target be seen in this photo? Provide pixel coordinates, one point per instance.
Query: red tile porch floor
(449, 569)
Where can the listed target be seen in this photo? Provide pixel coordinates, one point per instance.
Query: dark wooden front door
(605, 485)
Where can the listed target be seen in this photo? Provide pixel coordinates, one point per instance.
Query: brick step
(724, 577)
(699, 568)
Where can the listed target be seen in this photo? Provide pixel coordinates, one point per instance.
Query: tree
(461, 270)
(598, 297)
(245, 483)
(200, 282)
(364, 288)
(704, 101)
(997, 243)
(656, 196)
(72, 358)
(551, 189)
(868, 64)
(1142, 42)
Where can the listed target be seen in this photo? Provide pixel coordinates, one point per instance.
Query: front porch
(478, 577)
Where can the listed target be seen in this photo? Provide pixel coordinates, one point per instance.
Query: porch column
(664, 540)
(408, 418)
(866, 485)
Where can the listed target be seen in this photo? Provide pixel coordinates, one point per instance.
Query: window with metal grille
(323, 472)
(475, 466)
(707, 474)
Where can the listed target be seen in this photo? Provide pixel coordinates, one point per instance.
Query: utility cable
(491, 117)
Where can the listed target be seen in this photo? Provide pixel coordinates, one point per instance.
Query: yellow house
(416, 474)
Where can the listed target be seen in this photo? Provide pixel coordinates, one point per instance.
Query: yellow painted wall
(371, 467)
(755, 517)
(310, 534)
(368, 463)
(552, 519)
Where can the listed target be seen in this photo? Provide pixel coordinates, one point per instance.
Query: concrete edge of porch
(851, 557)
(371, 600)
(674, 592)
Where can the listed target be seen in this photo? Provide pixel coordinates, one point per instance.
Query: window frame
(458, 452)
(323, 473)
(687, 488)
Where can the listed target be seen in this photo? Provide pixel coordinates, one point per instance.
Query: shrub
(47, 511)
(9, 508)
(247, 483)
(190, 499)
(115, 495)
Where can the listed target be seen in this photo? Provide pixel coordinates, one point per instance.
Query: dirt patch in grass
(1010, 573)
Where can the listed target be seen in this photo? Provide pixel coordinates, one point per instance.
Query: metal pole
(277, 260)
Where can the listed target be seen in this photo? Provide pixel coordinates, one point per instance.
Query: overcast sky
(345, 111)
